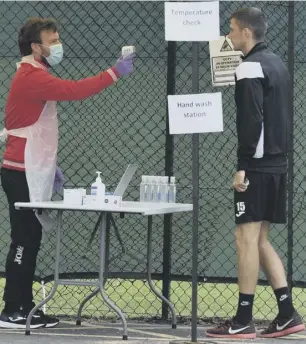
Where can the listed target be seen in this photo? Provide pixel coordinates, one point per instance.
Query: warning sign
(226, 46)
(224, 61)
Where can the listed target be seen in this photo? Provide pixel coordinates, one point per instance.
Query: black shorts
(264, 200)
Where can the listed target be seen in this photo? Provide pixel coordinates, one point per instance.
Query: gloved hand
(58, 180)
(124, 65)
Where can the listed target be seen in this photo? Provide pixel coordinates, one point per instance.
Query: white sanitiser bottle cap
(99, 179)
(172, 180)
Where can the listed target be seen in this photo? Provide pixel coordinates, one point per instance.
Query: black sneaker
(231, 329)
(283, 327)
(42, 317)
(17, 320)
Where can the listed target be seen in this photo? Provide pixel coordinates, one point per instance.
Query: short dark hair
(30, 33)
(253, 19)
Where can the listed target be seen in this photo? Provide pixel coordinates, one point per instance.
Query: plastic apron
(40, 156)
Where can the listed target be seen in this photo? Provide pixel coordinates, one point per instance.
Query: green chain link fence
(127, 123)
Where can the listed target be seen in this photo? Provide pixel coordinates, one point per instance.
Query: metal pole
(171, 67)
(107, 246)
(195, 198)
(291, 141)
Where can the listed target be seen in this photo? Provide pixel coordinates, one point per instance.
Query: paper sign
(223, 61)
(195, 113)
(192, 21)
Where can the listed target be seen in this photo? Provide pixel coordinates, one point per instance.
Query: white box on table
(112, 201)
(106, 201)
(74, 196)
(90, 200)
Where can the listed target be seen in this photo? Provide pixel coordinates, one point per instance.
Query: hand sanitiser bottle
(98, 188)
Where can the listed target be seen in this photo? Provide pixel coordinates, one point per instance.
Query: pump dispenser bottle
(98, 188)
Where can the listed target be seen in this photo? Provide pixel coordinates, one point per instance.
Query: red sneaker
(283, 327)
(232, 329)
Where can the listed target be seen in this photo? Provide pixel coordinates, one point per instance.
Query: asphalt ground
(93, 333)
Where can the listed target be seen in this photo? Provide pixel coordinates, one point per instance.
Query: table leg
(101, 276)
(83, 303)
(97, 290)
(149, 269)
(56, 272)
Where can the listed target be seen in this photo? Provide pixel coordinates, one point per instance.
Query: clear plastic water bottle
(151, 189)
(172, 190)
(147, 190)
(155, 188)
(159, 192)
(143, 189)
(165, 189)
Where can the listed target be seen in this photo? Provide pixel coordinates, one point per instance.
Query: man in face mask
(29, 170)
(51, 50)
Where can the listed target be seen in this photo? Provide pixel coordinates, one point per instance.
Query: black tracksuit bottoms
(26, 234)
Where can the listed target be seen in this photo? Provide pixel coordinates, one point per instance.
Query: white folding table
(145, 209)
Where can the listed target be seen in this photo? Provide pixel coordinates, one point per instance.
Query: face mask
(56, 54)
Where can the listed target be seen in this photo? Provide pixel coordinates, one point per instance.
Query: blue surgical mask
(56, 54)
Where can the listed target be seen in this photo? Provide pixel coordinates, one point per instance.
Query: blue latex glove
(58, 180)
(124, 65)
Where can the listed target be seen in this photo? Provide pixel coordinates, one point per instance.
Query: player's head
(40, 37)
(248, 26)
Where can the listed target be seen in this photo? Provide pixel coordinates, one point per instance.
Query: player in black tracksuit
(263, 116)
(263, 119)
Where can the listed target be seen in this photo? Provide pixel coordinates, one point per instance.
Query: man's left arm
(249, 102)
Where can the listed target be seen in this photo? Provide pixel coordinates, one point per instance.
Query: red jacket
(30, 89)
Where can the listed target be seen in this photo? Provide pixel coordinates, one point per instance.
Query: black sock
(284, 302)
(245, 307)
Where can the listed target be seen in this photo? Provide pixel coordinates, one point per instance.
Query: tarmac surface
(138, 333)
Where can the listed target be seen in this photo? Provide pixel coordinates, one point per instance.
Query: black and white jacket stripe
(262, 101)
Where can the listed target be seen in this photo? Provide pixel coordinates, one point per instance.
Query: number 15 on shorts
(240, 208)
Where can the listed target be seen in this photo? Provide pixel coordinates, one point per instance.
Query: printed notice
(223, 61)
(195, 113)
(192, 21)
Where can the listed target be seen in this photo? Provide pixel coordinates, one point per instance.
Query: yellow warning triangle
(226, 46)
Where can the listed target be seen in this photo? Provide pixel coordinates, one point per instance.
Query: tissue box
(74, 196)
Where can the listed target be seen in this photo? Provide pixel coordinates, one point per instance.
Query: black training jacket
(263, 116)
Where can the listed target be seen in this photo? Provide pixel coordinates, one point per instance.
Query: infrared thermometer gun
(128, 50)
